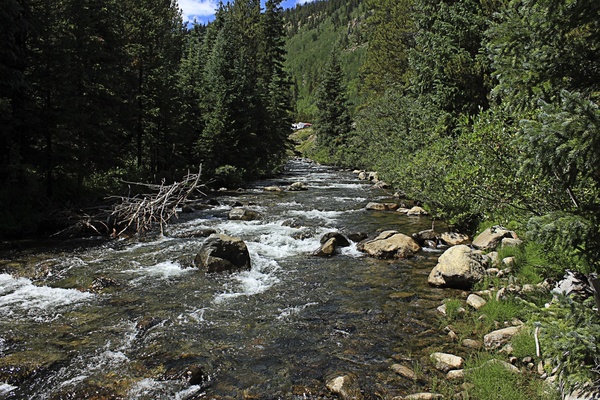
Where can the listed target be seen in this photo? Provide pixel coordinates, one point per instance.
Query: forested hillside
(94, 92)
(314, 31)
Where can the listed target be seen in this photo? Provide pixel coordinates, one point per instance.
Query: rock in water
(243, 214)
(222, 253)
(327, 249)
(391, 244)
(345, 386)
(340, 239)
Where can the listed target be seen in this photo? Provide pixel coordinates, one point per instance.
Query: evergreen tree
(274, 85)
(333, 121)
(230, 106)
(154, 29)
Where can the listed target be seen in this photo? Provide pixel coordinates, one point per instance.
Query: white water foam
(164, 270)
(351, 251)
(248, 283)
(327, 216)
(19, 295)
(289, 311)
(150, 388)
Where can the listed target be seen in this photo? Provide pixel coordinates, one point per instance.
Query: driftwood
(142, 213)
(132, 214)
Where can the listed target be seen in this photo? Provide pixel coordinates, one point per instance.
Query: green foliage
(333, 120)
(501, 311)
(523, 344)
(86, 87)
(491, 380)
(453, 309)
(569, 332)
(228, 175)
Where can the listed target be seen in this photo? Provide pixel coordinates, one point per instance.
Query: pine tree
(333, 121)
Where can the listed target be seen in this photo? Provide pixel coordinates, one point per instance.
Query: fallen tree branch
(142, 213)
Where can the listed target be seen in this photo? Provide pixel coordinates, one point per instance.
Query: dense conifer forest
(95, 92)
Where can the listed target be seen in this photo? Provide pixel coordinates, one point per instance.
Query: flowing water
(280, 330)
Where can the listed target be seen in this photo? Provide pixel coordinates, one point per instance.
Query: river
(165, 330)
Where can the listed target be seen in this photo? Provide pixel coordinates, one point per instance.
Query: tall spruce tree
(274, 85)
(333, 119)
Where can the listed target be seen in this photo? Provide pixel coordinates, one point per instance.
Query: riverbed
(158, 328)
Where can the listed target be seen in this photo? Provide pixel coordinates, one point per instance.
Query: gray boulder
(390, 244)
(416, 211)
(495, 339)
(492, 237)
(425, 236)
(221, 253)
(455, 238)
(459, 267)
(382, 206)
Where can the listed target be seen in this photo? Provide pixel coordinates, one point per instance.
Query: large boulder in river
(222, 253)
(492, 237)
(459, 267)
(390, 244)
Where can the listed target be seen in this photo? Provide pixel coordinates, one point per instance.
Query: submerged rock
(243, 214)
(404, 371)
(345, 386)
(222, 253)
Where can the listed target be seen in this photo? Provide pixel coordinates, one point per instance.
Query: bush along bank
(520, 335)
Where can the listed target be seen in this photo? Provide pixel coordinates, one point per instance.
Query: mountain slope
(314, 30)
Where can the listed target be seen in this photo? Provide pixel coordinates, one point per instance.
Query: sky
(204, 10)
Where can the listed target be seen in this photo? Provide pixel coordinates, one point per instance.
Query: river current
(163, 329)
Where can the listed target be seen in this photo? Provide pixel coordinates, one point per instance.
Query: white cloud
(197, 8)
(303, 1)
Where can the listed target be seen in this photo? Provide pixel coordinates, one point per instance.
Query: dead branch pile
(142, 213)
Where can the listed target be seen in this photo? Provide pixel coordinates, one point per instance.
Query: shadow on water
(160, 329)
